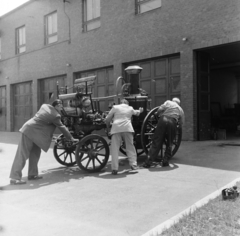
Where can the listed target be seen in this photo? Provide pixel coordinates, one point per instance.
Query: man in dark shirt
(170, 114)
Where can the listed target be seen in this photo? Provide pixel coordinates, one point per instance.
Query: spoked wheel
(148, 129)
(92, 153)
(64, 151)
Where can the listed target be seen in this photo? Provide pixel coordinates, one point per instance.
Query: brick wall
(123, 37)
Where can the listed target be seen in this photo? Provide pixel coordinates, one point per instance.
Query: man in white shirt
(170, 114)
(122, 129)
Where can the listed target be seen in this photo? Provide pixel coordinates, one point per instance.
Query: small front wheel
(63, 152)
(92, 153)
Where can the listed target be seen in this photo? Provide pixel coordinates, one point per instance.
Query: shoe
(147, 164)
(134, 167)
(114, 172)
(17, 182)
(34, 177)
(165, 164)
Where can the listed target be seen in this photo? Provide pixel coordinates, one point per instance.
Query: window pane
(53, 39)
(148, 6)
(93, 25)
(52, 28)
(22, 49)
(89, 9)
(97, 8)
(93, 9)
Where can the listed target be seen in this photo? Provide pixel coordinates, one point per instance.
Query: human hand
(75, 140)
(109, 135)
(141, 109)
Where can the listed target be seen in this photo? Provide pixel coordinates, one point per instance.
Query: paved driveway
(68, 201)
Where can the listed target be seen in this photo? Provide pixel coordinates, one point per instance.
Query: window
(51, 28)
(147, 5)
(21, 39)
(91, 14)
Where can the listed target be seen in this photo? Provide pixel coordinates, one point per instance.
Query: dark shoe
(114, 172)
(134, 167)
(34, 177)
(165, 164)
(17, 181)
(147, 164)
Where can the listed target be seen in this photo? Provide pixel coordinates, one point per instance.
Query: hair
(124, 101)
(85, 99)
(56, 102)
(177, 100)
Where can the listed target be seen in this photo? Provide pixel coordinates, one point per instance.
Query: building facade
(189, 49)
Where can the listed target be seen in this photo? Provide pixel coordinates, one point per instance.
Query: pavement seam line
(156, 231)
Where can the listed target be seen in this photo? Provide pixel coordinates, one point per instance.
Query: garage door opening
(218, 86)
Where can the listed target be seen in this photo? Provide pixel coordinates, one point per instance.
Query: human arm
(109, 119)
(138, 112)
(64, 130)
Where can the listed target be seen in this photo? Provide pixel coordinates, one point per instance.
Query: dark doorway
(218, 86)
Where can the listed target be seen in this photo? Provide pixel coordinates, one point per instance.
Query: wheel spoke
(85, 158)
(93, 161)
(65, 157)
(88, 162)
(99, 161)
(98, 141)
(62, 153)
(100, 148)
(100, 154)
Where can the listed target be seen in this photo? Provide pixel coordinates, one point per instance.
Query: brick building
(188, 48)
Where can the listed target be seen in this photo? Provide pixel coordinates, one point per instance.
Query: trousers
(116, 142)
(26, 150)
(165, 132)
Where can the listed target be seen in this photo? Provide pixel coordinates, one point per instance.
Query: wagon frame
(91, 153)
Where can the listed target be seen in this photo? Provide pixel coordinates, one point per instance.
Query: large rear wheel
(148, 129)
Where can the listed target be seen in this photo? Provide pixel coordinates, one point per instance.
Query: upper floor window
(91, 14)
(147, 5)
(21, 39)
(51, 35)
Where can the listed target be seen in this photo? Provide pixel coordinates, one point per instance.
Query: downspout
(69, 25)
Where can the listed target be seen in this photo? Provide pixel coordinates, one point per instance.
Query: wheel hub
(92, 153)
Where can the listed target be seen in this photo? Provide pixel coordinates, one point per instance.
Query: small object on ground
(230, 193)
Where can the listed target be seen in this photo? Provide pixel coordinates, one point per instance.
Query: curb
(156, 231)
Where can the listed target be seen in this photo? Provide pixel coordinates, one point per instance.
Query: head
(86, 102)
(177, 100)
(124, 101)
(57, 104)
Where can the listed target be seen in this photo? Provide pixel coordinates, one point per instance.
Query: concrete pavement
(69, 201)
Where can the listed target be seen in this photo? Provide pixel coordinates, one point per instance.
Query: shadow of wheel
(92, 153)
(148, 129)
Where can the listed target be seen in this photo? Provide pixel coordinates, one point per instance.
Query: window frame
(20, 46)
(47, 35)
(85, 21)
(138, 3)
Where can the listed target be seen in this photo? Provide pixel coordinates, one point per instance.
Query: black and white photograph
(119, 117)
